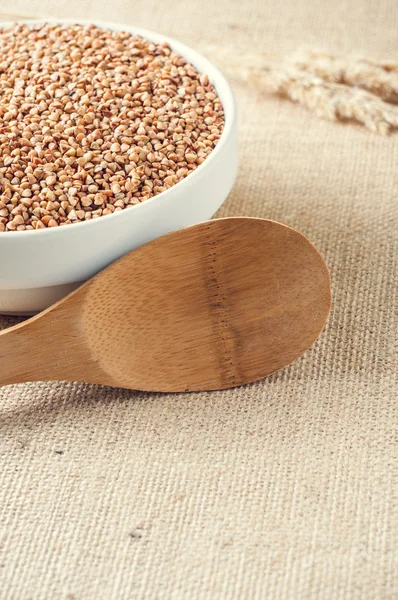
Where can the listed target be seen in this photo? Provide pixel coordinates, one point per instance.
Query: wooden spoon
(208, 307)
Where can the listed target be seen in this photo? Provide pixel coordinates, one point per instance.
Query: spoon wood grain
(212, 306)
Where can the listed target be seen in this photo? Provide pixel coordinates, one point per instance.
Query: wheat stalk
(323, 93)
(332, 101)
(380, 78)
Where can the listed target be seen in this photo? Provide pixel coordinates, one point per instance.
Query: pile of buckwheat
(94, 121)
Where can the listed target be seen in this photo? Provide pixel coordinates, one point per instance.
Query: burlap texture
(286, 489)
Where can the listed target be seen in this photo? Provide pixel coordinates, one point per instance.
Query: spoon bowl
(212, 306)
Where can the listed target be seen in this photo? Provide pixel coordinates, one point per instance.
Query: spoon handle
(47, 347)
(24, 356)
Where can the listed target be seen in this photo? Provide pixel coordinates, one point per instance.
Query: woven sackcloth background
(286, 489)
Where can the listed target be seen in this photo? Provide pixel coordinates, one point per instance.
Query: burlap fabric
(286, 489)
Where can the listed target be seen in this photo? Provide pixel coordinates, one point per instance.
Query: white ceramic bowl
(39, 267)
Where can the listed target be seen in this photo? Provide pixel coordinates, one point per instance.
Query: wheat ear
(379, 78)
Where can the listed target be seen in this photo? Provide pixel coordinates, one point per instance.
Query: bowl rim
(218, 79)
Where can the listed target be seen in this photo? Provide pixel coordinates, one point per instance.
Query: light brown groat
(94, 121)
